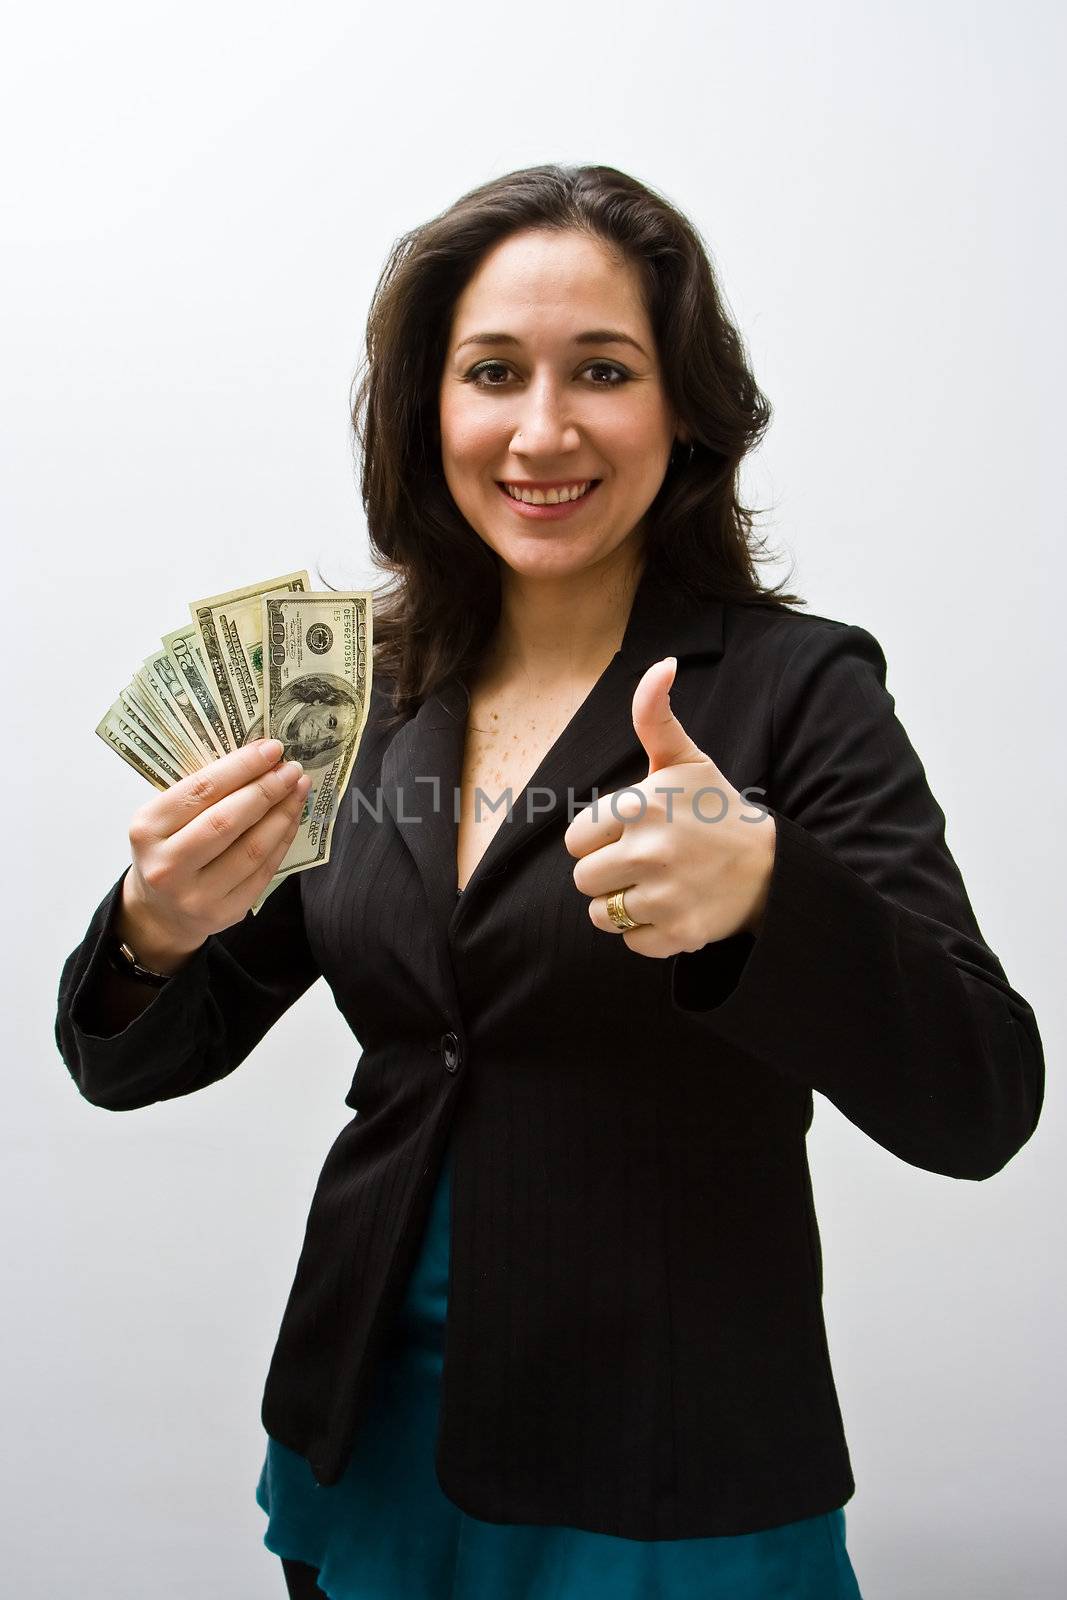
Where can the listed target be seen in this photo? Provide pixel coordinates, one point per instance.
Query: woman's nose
(544, 426)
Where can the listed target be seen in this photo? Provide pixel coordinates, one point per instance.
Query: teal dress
(387, 1531)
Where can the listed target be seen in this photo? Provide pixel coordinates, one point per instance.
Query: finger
(245, 854)
(666, 742)
(603, 871)
(635, 905)
(650, 941)
(603, 822)
(208, 836)
(183, 801)
(239, 901)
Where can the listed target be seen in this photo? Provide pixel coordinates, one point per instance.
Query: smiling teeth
(548, 497)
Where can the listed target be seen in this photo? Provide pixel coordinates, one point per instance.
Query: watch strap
(122, 959)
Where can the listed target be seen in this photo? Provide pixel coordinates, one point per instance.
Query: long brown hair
(443, 606)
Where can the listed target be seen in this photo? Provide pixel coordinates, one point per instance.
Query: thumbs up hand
(694, 868)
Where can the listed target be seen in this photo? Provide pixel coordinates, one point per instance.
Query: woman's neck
(559, 632)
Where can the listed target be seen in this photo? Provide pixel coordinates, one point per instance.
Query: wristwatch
(122, 958)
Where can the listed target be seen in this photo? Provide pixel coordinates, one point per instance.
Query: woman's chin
(546, 562)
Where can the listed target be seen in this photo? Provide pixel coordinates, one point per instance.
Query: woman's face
(566, 389)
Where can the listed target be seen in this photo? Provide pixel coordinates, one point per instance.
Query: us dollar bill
(205, 693)
(230, 629)
(181, 704)
(159, 745)
(139, 751)
(154, 697)
(187, 658)
(318, 652)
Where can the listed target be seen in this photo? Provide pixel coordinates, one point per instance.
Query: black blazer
(635, 1339)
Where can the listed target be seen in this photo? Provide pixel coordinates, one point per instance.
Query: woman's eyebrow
(592, 336)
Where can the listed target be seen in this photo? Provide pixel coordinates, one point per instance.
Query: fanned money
(230, 627)
(204, 694)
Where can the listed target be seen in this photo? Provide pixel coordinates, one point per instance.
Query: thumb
(665, 740)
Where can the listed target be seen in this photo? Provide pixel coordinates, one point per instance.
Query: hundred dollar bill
(230, 631)
(316, 693)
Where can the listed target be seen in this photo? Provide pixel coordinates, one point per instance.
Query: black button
(451, 1052)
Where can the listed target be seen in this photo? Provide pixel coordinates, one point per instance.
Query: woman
(592, 1022)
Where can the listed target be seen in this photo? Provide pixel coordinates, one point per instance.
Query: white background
(198, 200)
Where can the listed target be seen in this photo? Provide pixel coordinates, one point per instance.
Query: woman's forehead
(531, 277)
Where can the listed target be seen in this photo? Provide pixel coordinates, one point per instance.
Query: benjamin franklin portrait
(315, 717)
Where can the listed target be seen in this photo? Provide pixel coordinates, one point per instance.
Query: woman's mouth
(548, 505)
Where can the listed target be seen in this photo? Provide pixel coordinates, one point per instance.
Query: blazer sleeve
(869, 979)
(199, 1026)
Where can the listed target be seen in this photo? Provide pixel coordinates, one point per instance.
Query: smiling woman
(555, 329)
(556, 415)
(580, 445)
(556, 1328)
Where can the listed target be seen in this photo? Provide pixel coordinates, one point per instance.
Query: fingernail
(271, 747)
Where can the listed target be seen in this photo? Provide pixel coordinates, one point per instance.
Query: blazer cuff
(832, 953)
(159, 1031)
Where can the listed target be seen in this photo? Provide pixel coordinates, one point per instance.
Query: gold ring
(618, 913)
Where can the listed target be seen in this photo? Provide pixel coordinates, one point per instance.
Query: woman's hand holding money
(204, 850)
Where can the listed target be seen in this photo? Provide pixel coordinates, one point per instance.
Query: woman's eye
(476, 374)
(609, 366)
(479, 375)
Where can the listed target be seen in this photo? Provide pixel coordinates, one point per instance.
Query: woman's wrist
(767, 840)
(155, 948)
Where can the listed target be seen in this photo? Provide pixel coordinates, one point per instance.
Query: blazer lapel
(422, 767)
